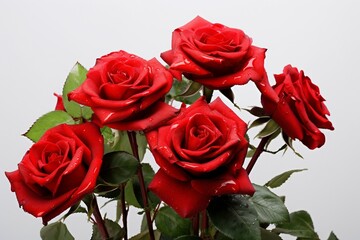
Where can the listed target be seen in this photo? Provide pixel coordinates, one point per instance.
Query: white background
(41, 40)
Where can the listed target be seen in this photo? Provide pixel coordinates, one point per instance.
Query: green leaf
(257, 111)
(191, 89)
(332, 236)
(259, 121)
(88, 200)
(235, 217)
(228, 93)
(288, 142)
(47, 121)
(55, 231)
(146, 236)
(219, 236)
(185, 91)
(270, 128)
(130, 196)
(107, 190)
(188, 237)
(119, 141)
(75, 78)
(208, 93)
(74, 209)
(278, 180)
(113, 228)
(169, 223)
(268, 235)
(269, 207)
(118, 167)
(300, 225)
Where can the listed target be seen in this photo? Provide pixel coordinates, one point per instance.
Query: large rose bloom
(126, 92)
(200, 154)
(216, 56)
(300, 111)
(58, 170)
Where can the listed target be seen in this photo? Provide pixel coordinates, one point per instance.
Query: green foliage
(270, 128)
(146, 236)
(47, 121)
(169, 223)
(228, 93)
(55, 231)
(76, 208)
(135, 191)
(300, 225)
(257, 112)
(332, 236)
(234, 216)
(130, 196)
(75, 78)
(115, 140)
(188, 237)
(268, 235)
(278, 180)
(269, 207)
(113, 228)
(185, 91)
(259, 121)
(118, 167)
(289, 142)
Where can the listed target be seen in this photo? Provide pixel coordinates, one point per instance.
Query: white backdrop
(41, 40)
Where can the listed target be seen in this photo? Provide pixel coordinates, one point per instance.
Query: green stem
(124, 211)
(99, 220)
(134, 148)
(257, 153)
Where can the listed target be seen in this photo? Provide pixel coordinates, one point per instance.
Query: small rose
(126, 92)
(216, 56)
(300, 111)
(58, 170)
(200, 153)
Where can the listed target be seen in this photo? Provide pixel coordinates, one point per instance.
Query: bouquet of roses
(93, 144)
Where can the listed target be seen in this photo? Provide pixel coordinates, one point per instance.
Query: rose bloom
(58, 170)
(216, 56)
(200, 153)
(300, 111)
(126, 92)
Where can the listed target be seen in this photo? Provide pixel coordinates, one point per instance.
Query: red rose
(300, 111)
(216, 56)
(58, 170)
(200, 153)
(126, 92)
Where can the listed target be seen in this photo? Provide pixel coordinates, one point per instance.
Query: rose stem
(99, 220)
(134, 148)
(257, 153)
(124, 211)
(204, 224)
(195, 225)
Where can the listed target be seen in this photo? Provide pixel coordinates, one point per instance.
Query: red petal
(179, 195)
(225, 184)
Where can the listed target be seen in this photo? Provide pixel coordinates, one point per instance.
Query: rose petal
(155, 115)
(164, 158)
(31, 202)
(172, 192)
(225, 184)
